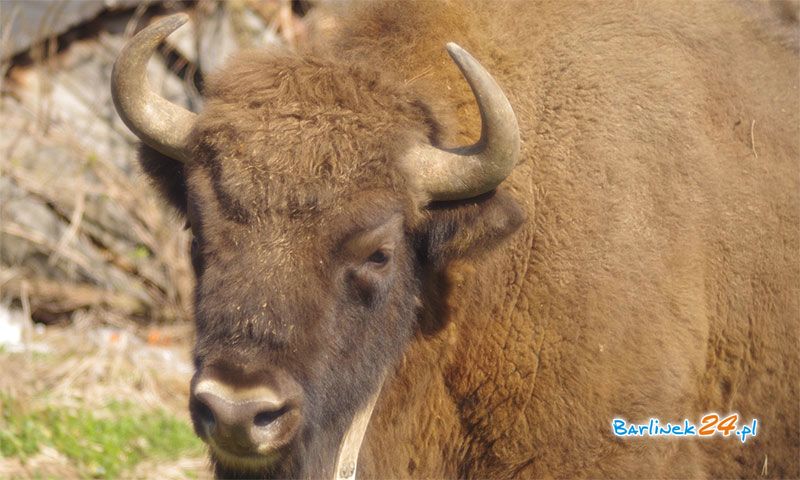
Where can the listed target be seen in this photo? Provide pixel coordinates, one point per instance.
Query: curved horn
(157, 122)
(466, 172)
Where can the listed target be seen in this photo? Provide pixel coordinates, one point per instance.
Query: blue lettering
(746, 430)
(688, 428)
(619, 427)
(743, 433)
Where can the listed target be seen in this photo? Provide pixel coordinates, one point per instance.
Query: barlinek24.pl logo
(709, 425)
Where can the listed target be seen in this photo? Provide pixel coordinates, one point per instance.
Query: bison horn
(466, 172)
(156, 121)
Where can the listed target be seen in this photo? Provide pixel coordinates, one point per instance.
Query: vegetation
(103, 443)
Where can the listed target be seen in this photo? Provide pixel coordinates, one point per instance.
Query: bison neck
(434, 417)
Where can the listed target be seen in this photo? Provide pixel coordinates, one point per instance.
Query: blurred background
(95, 280)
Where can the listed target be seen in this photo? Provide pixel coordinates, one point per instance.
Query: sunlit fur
(641, 261)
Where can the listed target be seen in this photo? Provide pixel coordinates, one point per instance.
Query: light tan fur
(658, 273)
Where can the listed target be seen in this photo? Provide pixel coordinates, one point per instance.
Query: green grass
(102, 443)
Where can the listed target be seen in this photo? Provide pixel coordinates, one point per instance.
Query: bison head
(321, 214)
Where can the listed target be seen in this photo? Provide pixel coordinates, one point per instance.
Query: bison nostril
(253, 418)
(206, 415)
(266, 417)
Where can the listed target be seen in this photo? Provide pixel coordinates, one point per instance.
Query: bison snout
(243, 421)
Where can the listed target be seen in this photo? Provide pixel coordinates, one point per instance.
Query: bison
(470, 265)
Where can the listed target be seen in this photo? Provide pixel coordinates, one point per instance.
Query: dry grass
(89, 363)
(105, 376)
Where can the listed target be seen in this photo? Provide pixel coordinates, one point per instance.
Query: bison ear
(466, 228)
(166, 175)
(456, 231)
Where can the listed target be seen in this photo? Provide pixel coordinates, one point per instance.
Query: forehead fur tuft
(284, 132)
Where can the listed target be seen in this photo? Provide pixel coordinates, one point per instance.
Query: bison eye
(378, 258)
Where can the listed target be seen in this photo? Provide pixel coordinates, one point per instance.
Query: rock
(32, 21)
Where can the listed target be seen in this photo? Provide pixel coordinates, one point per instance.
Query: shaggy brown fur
(641, 261)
